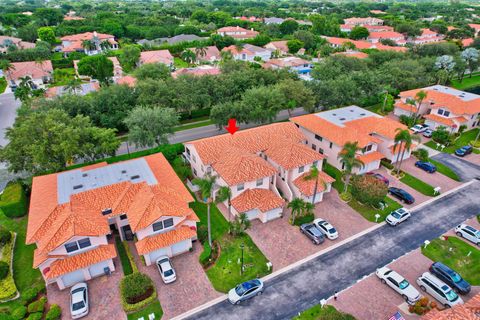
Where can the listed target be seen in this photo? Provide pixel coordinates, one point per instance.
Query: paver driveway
(434, 179)
(104, 297)
(283, 244)
(191, 289)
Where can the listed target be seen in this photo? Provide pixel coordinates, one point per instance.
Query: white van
(439, 290)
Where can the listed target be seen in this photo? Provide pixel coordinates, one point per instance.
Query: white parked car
(399, 284)
(326, 228)
(439, 290)
(166, 270)
(397, 216)
(419, 128)
(469, 233)
(79, 300)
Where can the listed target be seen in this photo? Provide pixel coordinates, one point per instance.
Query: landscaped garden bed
(326, 312)
(463, 140)
(137, 291)
(8, 290)
(417, 184)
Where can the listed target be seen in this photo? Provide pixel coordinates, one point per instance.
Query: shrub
(136, 287)
(4, 268)
(423, 301)
(37, 306)
(407, 120)
(130, 257)
(421, 154)
(13, 201)
(304, 219)
(368, 190)
(387, 164)
(54, 312)
(30, 294)
(5, 236)
(8, 290)
(19, 313)
(206, 254)
(441, 135)
(202, 233)
(35, 316)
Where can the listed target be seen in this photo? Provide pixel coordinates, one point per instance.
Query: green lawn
(461, 141)
(192, 125)
(179, 63)
(327, 312)
(62, 77)
(334, 173)
(122, 253)
(155, 308)
(417, 184)
(377, 108)
(3, 84)
(218, 222)
(368, 212)
(445, 170)
(453, 253)
(467, 82)
(23, 273)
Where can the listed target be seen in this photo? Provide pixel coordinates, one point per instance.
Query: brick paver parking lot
(434, 179)
(283, 244)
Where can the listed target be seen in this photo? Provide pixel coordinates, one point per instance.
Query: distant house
(353, 54)
(77, 42)
(369, 21)
(360, 44)
(237, 32)
(211, 54)
(156, 56)
(379, 12)
(248, 52)
(295, 64)
(72, 18)
(83, 89)
(39, 72)
(427, 36)
(396, 37)
(117, 68)
(197, 71)
(376, 28)
(443, 106)
(127, 80)
(251, 19)
(476, 27)
(6, 42)
(280, 46)
(467, 42)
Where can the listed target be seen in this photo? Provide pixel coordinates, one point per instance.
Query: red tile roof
(261, 199)
(468, 311)
(307, 186)
(33, 69)
(353, 54)
(87, 36)
(162, 240)
(439, 119)
(198, 71)
(370, 157)
(127, 80)
(156, 56)
(385, 35)
(290, 155)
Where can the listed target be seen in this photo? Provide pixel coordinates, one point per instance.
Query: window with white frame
(301, 169)
(240, 187)
(367, 148)
(259, 182)
(164, 224)
(77, 245)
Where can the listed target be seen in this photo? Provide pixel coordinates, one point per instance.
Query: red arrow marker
(232, 126)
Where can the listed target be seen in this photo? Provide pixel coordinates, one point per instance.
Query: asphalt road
(8, 113)
(466, 170)
(206, 131)
(304, 286)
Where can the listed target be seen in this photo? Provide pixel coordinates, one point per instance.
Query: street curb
(319, 253)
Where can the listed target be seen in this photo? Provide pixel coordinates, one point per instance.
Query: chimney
(95, 34)
(251, 29)
(238, 27)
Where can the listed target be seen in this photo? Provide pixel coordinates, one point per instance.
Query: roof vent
(135, 177)
(84, 174)
(362, 114)
(334, 114)
(351, 110)
(78, 186)
(342, 119)
(124, 171)
(106, 211)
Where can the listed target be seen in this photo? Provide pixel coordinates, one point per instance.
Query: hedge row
(8, 290)
(130, 257)
(304, 219)
(13, 201)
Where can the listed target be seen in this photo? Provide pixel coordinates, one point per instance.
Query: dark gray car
(312, 232)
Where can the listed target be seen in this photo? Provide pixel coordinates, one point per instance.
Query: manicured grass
(3, 84)
(154, 307)
(461, 141)
(377, 108)
(179, 63)
(122, 253)
(445, 170)
(453, 253)
(24, 274)
(467, 82)
(62, 77)
(218, 223)
(8, 290)
(417, 184)
(327, 312)
(225, 274)
(193, 125)
(368, 212)
(334, 173)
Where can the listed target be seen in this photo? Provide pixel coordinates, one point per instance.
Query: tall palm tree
(226, 56)
(296, 205)
(419, 97)
(88, 45)
(188, 56)
(26, 82)
(224, 193)
(314, 175)
(403, 142)
(73, 85)
(206, 186)
(6, 66)
(201, 51)
(349, 160)
(105, 45)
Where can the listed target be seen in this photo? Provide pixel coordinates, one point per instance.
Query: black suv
(450, 277)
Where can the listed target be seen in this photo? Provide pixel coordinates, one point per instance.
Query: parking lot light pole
(242, 246)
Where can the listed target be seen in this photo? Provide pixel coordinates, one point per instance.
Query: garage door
(252, 214)
(158, 253)
(97, 269)
(180, 247)
(74, 277)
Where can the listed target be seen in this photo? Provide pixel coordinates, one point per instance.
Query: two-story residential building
(295, 64)
(88, 42)
(156, 56)
(368, 21)
(443, 106)
(73, 215)
(337, 43)
(396, 37)
(375, 28)
(427, 36)
(257, 164)
(248, 52)
(327, 132)
(237, 32)
(7, 42)
(278, 46)
(40, 73)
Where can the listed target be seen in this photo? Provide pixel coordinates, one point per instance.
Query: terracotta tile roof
(383, 126)
(198, 71)
(468, 311)
(69, 18)
(81, 260)
(467, 42)
(127, 80)
(383, 47)
(165, 239)
(385, 35)
(252, 140)
(307, 187)
(475, 26)
(439, 99)
(370, 157)
(237, 166)
(238, 32)
(460, 119)
(291, 155)
(212, 53)
(261, 199)
(367, 20)
(439, 119)
(87, 36)
(353, 54)
(286, 62)
(30, 68)
(405, 106)
(156, 56)
(279, 45)
(359, 44)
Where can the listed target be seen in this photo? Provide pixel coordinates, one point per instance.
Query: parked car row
(318, 230)
(441, 282)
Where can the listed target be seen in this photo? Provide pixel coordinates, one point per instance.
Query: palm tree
(26, 82)
(349, 160)
(73, 85)
(105, 45)
(188, 56)
(88, 45)
(224, 193)
(296, 205)
(6, 66)
(403, 142)
(206, 186)
(313, 175)
(201, 51)
(226, 56)
(419, 97)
